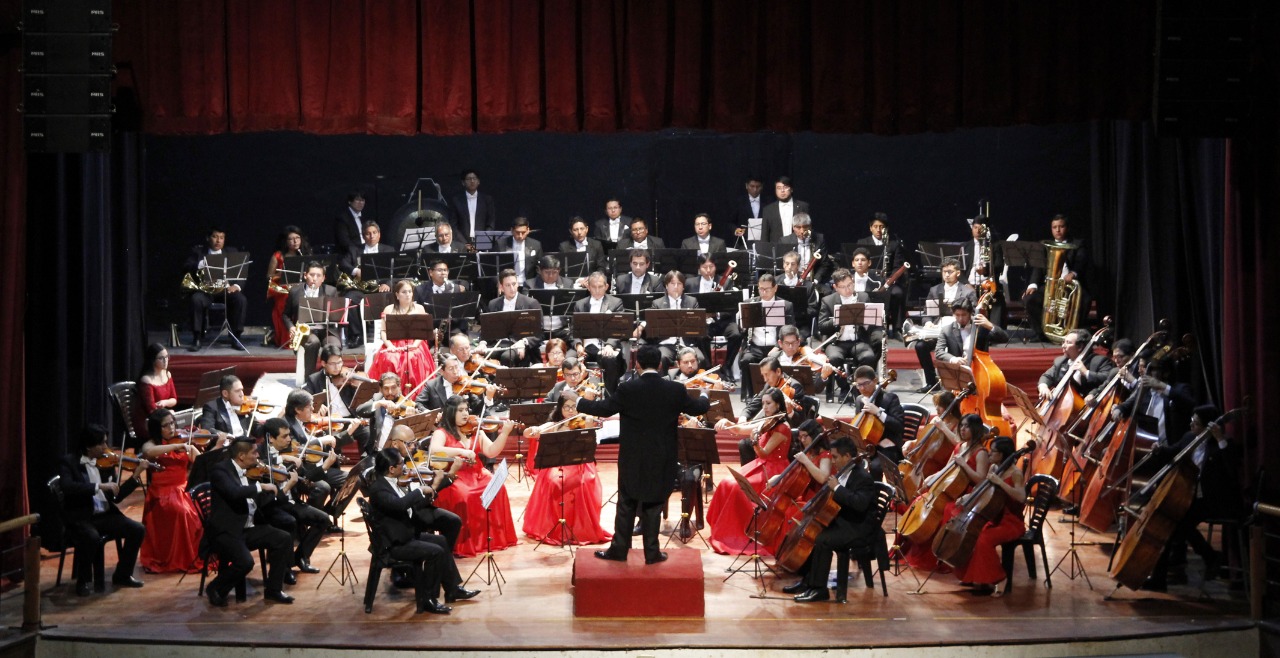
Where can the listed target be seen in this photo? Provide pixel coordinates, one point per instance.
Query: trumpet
(347, 282)
(216, 288)
(298, 334)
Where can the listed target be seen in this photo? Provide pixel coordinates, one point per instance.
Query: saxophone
(1061, 298)
(297, 335)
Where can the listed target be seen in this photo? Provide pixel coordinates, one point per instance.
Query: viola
(955, 542)
(476, 386)
(126, 462)
(708, 379)
(582, 422)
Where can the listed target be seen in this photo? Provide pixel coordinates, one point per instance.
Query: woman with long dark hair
(463, 497)
(173, 525)
(291, 242)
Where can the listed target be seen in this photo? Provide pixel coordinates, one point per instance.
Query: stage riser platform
(1206, 645)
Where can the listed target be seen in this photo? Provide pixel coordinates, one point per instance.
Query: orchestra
(965, 453)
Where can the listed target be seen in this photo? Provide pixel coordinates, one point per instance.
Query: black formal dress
(650, 407)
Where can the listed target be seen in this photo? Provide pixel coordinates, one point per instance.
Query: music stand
(490, 264)
(666, 259)
(461, 266)
(953, 376)
(725, 301)
(721, 406)
(420, 326)
(754, 562)
(417, 237)
(638, 302)
(675, 323)
(211, 385)
(697, 450)
(294, 269)
(564, 448)
(933, 253)
(492, 573)
(323, 311)
(422, 424)
(457, 307)
(525, 383)
(530, 414)
(226, 269)
(767, 257)
(497, 325)
(488, 240)
(755, 315)
(804, 375)
(604, 326)
(1024, 253)
(556, 302)
(574, 264)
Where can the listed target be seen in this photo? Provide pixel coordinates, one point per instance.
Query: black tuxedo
(925, 348)
(347, 230)
(237, 302)
(532, 252)
(622, 283)
(653, 242)
(508, 357)
(602, 229)
(951, 343)
(397, 523)
(319, 334)
(305, 523)
(324, 482)
(486, 214)
(1178, 406)
(938, 293)
(772, 229)
(350, 258)
(232, 541)
(378, 419)
(669, 350)
(214, 416)
(1077, 261)
(742, 212)
(817, 243)
(897, 256)
(86, 528)
(853, 528)
(715, 245)
(1100, 370)
(650, 407)
(862, 351)
(612, 367)
(595, 252)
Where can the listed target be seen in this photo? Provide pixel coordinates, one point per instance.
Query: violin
(324, 423)
(251, 405)
(709, 380)
(312, 455)
(127, 462)
(485, 366)
(476, 386)
(589, 390)
(261, 471)
(475, 423)
(198, 439)
(583, 421)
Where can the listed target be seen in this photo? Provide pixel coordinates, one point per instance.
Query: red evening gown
(730, 511)
(984, 564)
(151, 394)
(463, 498)
(920, 555)
(413, 365)
(279, 330)
(582, 502)
(173, 524)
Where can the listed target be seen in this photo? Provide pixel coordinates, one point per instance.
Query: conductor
(650, 406)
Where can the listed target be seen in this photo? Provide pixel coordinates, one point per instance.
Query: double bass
(1174, 491)
(928, 455)
(988, 379)
(955, 541)
(1062, 407)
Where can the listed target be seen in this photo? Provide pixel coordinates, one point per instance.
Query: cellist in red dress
(983, 571)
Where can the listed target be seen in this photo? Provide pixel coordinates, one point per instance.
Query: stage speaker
(1202, 68)
(67, 70)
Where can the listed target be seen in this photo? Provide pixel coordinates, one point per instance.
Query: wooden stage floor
(534, 609)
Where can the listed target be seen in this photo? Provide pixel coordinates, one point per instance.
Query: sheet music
(495, 484)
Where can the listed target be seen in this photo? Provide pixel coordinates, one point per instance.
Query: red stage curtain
(463, 66)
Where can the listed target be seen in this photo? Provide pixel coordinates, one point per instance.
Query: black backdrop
(254, 184)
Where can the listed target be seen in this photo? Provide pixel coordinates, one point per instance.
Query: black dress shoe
(82, 589)
(813, 595)
(924, 389)
(637, 531)
(660, 557)
(215, 599)
(333, 529)
(305, 567)
(433, 606)
(278, 597)
(606, 555)
(460, 594)
(797, 587)
(290, 578)
(127, 581)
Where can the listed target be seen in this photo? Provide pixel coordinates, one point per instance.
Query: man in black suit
(778, 215)
(856, 344)
(945, 294)
(954, 342)
(305, 523)
(853, 528)
(980, 271)
(526, 249)
(89, 498)
(607, 353)
(378, 409)
(439, 390)
(639, 280)
(350, 264)
(549, 278)
(348, 226)
(444, 243)
(1089, 373)
(884, 405)
(525, 350)
(650, 407)
(473, 211)
(673, 284)
(583, 244)
(327, 477)
(773, 377)
(1074, 263)
(438, 283)
(615, 225)
(339, 384)
(639, 237)
(790, 277)
(807, 244)
(878, 244)
(749, 206)
(757, 342)
(232, 532)
(702, 240)
(1157, 391)
(313, 287)
(220, 415)
(575, 372)
(397, 523)
(237, 304)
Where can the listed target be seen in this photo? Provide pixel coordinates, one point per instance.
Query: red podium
(604, 588)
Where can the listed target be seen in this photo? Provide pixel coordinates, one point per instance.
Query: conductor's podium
(604, 588)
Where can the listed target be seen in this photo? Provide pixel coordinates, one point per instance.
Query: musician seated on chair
(854, 529)
(757, 342)
(953, 344)
(298, 413)
(884, 405)
(639, 280)
(89, 498)
(319, 333)
(702, 240)
(399, 520)
(718, 324)
(791, 351)
(606, 353)
(237, 303)
(808, 245)
(580, 243)
(1075, 262)
(878, 245)
(1087, 374)
(354, 264)
(855, 345)
(804, 407)
(675, 299)
(944, 294)
(444, 243)
(232, 531)
(220, 415)
(305, 522)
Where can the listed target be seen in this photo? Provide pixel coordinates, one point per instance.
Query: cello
(988, 379)
(817, 514)
(927, 456)
(924, 516)
(1058, 411)
(955, 541)
(792, 484)
(1175, 490)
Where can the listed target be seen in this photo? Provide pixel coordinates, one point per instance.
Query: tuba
(1061, 298)
(189, 284)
